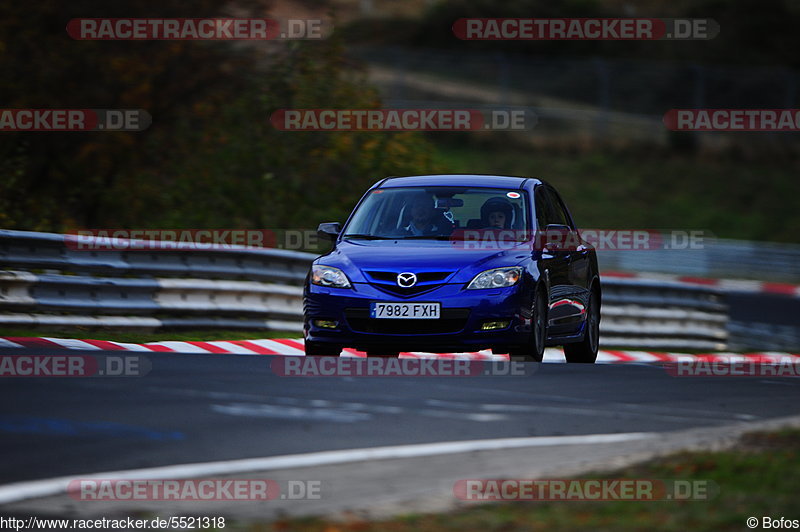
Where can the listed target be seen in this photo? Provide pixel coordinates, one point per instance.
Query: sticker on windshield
(513, 195)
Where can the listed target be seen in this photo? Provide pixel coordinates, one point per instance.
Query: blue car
(453, 263)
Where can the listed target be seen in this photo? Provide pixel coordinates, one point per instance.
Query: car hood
(353, 257)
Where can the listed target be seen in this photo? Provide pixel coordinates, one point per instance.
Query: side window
(542, 208)
(558, 213)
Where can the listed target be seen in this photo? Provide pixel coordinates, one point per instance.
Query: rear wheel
(585, 351)
(314, 349)
(534, 351)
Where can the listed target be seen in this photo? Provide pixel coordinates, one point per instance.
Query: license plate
(405, 311)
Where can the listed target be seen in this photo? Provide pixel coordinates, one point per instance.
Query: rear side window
(559, 212)
(550, 210)
(542, 208)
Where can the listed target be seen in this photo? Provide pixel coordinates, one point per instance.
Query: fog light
(326, 324)
(493, 325)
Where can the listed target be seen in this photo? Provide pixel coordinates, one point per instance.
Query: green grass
(145, 337)
(650, 189)
(760, 477)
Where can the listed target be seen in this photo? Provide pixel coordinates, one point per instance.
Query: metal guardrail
(662, 314)
(30, 250)
(47, 283)
(763, 336)
(53, 283)
(718, 258)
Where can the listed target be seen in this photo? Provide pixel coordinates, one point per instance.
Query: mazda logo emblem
(406, 279)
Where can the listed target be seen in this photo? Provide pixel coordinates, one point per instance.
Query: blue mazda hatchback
(452, 263)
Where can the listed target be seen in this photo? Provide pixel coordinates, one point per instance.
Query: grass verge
(759, 477)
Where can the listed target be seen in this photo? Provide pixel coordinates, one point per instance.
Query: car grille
(406, 292)
(422, 277)
(452, 320)
(387, 281)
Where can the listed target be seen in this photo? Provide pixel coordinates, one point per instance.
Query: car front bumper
(463, 313)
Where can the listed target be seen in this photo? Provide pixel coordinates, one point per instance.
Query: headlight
(496, 278)
(329, 276)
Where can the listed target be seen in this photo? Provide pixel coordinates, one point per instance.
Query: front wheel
(585, 351)
(534, 351)
(314, 349)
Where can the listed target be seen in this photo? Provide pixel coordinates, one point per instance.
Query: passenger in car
(496, 213)
(497, 220)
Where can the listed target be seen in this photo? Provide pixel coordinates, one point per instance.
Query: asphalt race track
(214, 409)
(200, 408)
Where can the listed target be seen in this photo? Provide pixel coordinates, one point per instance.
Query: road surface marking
(49, 487)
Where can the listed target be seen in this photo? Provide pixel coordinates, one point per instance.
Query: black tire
(383, 354)
(314, 349)
(585, 351)
(534, 351)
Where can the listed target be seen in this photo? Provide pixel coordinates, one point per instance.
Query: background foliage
(212, 160)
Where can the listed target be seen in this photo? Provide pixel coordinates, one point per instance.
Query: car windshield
(437, 212)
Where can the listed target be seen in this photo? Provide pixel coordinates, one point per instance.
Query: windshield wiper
(367, 237)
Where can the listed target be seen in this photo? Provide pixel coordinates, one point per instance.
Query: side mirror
(557, 238)
(329, 230)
